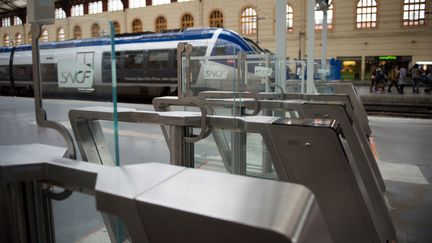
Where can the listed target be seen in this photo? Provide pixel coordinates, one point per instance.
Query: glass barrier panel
(83, 77)
(76, 219)
(252, 158)
(76, 74)
(218, 73)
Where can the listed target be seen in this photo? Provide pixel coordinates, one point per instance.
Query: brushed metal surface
(227, 208)
(164, 203)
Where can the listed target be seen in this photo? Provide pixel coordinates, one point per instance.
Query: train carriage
(146, 63)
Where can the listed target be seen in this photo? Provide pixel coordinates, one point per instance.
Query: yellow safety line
(373, 148)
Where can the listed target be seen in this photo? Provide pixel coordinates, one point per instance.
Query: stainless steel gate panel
(344, 98)
(350, 126)
(320, 159)
(349, 89)
(164, 203)
(353, 134)
(180, 206)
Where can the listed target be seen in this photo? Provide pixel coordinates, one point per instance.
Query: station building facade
(361, 32)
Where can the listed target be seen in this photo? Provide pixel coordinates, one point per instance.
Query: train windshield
(255, 46)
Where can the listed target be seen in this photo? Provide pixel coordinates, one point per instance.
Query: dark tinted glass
(158, 60)
(134, 60)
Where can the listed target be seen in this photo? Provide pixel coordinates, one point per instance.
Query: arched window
(6, 22)
(29, 36)
(216, 19)
(60, 13)
(44, 35)
(160, 2)
(137, 3)
(95, 7)
(117, 27)
(18, 39)
(161, 24)
(77, 10)
(414, 12)
(187, 21)
(319, 17)
(77, 32)
(137, 26)
(17, 21)
(95, 30)
(114, 5)
(367, 14)
(289, 18)
(249, 21)
(6, 40)
(60, 34)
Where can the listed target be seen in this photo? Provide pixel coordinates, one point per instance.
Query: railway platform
(408, 104)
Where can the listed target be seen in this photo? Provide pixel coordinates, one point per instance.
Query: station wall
(390, 37)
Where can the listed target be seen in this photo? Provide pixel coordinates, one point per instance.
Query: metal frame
(358, 107)
(344, 98)
(41, 117)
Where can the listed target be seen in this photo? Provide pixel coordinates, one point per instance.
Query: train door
(88, 59)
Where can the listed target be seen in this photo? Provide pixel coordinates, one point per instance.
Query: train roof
(187, 34)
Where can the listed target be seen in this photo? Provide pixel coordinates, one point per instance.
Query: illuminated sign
(388, 58)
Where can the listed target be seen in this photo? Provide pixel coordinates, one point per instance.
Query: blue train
(146, 63)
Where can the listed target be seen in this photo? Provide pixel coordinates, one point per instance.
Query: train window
(106, 60)
(49, 72)
(134, 60)
(224, 49)
(158, 60)
(4, 72)
(118, 60)
(254, 46)
(199, 51)
(20, 70)
(23, 73)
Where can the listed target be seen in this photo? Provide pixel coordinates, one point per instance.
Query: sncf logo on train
(72, 74)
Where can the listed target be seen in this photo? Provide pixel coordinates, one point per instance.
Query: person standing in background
(373, 78)
(416, 78)
(380, 80)
(402, 78)
(394, 78)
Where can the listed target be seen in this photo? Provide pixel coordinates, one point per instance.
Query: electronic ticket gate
(341, 112)
(347, 89)
(156, 202)
(311, 152)
(344, 98)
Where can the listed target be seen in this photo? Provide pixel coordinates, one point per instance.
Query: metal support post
(310, 46)
(181, 152)
(41, 117)
(238, 141)
(281, 43)
(266, 157)
(13, 227)
(41, 204)
(324, 45)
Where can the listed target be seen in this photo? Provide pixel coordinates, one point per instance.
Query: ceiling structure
(12, 5)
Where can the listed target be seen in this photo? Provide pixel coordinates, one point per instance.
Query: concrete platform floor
(403, 147)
